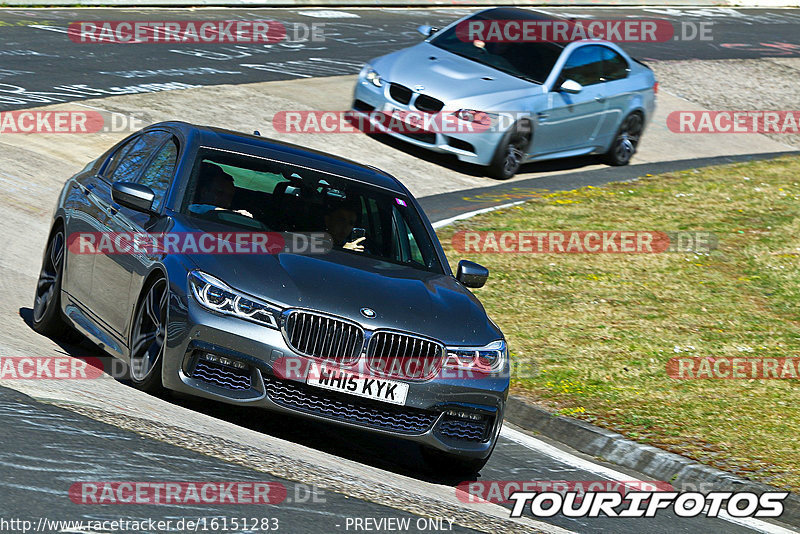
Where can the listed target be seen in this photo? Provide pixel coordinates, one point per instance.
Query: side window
(614, 66)
(408, 249)
(159, 173)
(134, 155)
(584, 65)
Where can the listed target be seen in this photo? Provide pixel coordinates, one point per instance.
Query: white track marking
(580, 463)
(451, 220)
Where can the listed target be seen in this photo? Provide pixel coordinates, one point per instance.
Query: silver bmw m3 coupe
(373, 331)
(534, 99)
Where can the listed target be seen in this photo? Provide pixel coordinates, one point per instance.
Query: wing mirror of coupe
(134, 196)
(472, 274)
(426, 30)
(571, 87)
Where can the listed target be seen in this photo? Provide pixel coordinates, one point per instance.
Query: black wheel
(47, 317)
(450, 465)
(625, 142)
(510, 152)
(148, 334)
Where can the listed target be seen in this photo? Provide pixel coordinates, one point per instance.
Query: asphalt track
(46, 448)
(40, 64)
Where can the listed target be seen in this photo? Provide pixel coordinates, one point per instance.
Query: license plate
(379, 389)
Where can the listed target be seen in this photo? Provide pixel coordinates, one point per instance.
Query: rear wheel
(511, 151)
(148, 335)
(47, 317)
(625, 142)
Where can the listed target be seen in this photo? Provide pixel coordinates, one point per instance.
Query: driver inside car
(339, 223)
(215, 191)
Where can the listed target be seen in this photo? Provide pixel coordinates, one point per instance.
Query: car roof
(212, 137)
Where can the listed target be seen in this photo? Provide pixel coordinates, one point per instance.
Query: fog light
(464, 415)
(224, 361)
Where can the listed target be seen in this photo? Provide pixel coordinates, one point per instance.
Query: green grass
(600, 328)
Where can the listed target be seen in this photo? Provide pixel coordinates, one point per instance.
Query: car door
(570, 121)
(113, 273)
(85, 217)
(618, 93)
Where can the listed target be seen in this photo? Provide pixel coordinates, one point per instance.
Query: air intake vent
(303, 398)
(222, 375)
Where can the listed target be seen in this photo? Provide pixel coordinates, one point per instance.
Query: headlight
(216, 295)
(488, 359)
(473, 115)
(373, 77)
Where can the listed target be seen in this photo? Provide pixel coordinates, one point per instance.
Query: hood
(455, 80)
(342, 283)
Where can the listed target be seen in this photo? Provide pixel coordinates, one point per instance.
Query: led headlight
(488, 359)
(372, 76)
(216, 295)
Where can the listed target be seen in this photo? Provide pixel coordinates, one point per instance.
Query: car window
(529, 60)
(614, 65)
(159, 173)
(246, 192)
(584, 65)
(134, 155)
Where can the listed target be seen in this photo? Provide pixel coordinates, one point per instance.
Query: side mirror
(571, 86)
(472, 274)
(134, 196)
(426, 30)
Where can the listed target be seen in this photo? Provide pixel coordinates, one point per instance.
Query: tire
(510, 152)
(47, 317)
(148, 336)
(451, 465)
(625, 141)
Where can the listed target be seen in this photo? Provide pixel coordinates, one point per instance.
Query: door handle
(542, 116)
(600, 99)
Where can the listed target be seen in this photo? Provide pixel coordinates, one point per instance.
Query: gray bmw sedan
(370, 329)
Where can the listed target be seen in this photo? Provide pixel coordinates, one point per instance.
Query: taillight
(655, 88)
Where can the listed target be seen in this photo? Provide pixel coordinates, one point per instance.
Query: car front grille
(401, 93)
(404, 356)
(464, 429)
(321, 336)
(362, 412)
(222, 375)
(428, 104)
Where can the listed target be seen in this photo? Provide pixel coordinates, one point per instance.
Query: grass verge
(600, 328)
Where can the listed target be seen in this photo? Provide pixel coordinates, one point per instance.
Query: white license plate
(379, 389)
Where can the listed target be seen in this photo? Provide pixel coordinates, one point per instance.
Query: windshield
(531, 61)
(249, 193)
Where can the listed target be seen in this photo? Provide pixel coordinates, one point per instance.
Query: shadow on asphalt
(382, 452)
(452, 163)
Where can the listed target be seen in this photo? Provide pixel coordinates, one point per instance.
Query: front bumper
(470, 147)
(433, 414)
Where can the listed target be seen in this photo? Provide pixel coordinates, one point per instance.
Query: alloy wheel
(48, 277)
(149, 327)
